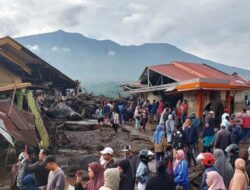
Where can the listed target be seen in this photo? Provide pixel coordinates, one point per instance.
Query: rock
(86, 125)
(62, 111)
(80, 163)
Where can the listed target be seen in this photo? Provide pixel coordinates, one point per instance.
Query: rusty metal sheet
(19, 124)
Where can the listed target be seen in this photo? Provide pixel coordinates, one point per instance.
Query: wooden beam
(16, 61)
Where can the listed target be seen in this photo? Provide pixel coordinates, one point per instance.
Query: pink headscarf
(180, 155)
(215, 181)
(98, 181)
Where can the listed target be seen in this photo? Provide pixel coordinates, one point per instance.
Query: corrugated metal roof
(19, 124)
(181, 71)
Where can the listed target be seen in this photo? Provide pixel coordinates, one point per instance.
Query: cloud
(33, 47)
(111, 53)
(56, 49)
(215, 30)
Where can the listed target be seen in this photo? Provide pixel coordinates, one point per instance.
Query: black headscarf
(127, 172)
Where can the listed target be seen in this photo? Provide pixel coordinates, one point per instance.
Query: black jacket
(160, 182)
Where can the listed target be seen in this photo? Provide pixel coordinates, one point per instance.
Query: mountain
(93, 61)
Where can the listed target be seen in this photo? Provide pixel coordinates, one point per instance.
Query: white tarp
(5, 134)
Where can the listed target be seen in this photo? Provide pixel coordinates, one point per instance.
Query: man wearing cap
(222, 137)
(107, 154)
(56, 179)
(133, 160)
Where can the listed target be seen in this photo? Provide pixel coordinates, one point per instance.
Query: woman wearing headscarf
(127, 181)
(96, 178)
(181, 171)
(162, 180)
(111, 179)
(223, 166)
(214, 181)
(208, 137)
(240, 179)
(158, 142)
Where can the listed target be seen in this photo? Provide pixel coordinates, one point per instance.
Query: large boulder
(80, 163)
(62, 111)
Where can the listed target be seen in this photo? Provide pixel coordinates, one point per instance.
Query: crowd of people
(177, 139)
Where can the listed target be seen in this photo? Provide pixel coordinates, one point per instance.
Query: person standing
(208, 137)
(245, 125)
(38, 169)
(181, 171)
(111, 179)
(96, 178)
(107, 154)
(224, 167)
(222, 138)
(240, 179)
(190, 139)
(144, 118)
(170, 128)
(133, 160)
(178, 139)
(208, 161)
(214, 181)
(158, 142)
(153, 110)
(142, 173)
(127, 181)
(162, 180)
(56, 179)
(184, 110)
(236, 133)
(137, 116)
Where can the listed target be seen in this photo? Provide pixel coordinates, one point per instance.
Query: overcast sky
(218, 30)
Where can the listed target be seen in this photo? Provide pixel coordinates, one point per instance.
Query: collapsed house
(21, 73)
(199, 84)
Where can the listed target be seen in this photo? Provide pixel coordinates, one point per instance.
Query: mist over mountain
(104, 61)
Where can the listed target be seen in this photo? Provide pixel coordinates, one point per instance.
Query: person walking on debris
(127, 181)
(181, 171)
(162, 180)
(158, 142)
(240, 179)
(107, 154)
(184, 110)
(56, 179)
(190, 139)
(142, 173)
(96, 178)
(144, 118)
(115, 121)
(100, 116)
(224, 167)
(137, 116)
(133, 160)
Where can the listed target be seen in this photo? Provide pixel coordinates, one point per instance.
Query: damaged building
(199, 84)
(21, 74)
